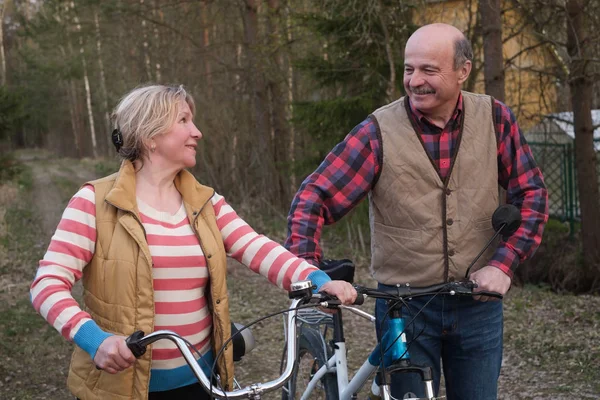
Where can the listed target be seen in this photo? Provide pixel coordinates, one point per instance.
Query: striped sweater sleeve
(261, 254)
(71, 249)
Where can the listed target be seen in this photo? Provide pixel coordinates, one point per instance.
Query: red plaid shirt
(352, 168)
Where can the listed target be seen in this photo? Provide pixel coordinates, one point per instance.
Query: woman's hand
(113, 355)
(344, 291)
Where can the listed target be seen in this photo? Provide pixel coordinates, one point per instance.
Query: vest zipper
(215, 314)
(139, 221)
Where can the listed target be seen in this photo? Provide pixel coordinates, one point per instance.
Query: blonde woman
(150, 244)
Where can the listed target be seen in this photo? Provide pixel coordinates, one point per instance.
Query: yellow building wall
(530, 91)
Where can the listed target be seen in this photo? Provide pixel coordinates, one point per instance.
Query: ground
(552, 342)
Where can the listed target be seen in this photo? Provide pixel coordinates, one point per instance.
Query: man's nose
(416, 79)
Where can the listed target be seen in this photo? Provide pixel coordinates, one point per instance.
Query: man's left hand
(490, 279)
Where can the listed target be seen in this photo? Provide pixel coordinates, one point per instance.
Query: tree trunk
(291, 84)
(2, 56)
(206, 44)
(73, 112)
(157, 70)
(581, 85)
(86, 81)
(103, 90)
(391, 91)
(260, 159)
(493, 70)
(145, 45)
(279, 128)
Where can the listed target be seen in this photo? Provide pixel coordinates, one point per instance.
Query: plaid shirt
(352, 168)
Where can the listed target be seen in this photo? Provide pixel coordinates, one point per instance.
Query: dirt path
(48, 198)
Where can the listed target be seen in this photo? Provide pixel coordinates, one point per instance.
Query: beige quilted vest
(118, 289)
(425, 230)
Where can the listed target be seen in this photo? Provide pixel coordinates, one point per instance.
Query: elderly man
(431, 163)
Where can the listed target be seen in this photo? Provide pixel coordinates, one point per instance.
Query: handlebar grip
(489, 294)
(360, 299)
(133, 343)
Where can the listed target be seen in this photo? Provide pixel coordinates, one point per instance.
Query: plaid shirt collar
(422, 119)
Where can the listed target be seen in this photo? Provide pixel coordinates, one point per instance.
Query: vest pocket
(85, 371)
(117, 385)
(394, 233)
(482, 224)
(387, 243)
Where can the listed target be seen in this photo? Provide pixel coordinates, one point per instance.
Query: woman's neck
(156, 187)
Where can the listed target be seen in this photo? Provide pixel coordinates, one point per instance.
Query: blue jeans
(465, 334)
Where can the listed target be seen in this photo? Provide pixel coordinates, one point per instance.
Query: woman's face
(177, 147)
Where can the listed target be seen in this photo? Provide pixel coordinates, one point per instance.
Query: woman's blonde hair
(146, 112)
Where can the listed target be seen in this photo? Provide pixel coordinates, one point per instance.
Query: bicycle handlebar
(461, 288)
(137, 343)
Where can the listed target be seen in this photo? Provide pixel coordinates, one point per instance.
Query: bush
(558, 262)
(10, 168)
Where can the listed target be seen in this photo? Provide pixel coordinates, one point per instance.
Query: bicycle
(302, 297)
(327, 363)
(394, 352)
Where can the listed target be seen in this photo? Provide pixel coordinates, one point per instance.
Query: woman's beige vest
(425, 230)
(118, 290)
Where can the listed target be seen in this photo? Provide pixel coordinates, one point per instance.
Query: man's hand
(344, 291)
(113, 355)
(490, 279)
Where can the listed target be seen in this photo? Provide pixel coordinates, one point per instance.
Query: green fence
(557, 163)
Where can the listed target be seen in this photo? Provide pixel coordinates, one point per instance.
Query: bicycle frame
(338, 363)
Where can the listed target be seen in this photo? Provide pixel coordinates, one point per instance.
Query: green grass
(556, 334)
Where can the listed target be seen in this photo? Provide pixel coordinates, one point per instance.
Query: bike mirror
(506, 220)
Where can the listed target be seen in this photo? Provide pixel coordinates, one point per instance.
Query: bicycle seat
(342, 270)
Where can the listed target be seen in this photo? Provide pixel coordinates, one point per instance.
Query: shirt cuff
(90, 336)
(505, 259)
(318, 278)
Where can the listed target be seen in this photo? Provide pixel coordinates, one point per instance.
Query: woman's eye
(184, 120)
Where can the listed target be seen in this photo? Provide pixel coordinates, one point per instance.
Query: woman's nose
(196, 134)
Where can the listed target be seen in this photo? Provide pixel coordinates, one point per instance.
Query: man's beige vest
(118, 289)
(425, 230)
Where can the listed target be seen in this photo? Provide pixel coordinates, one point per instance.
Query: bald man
(431, 163)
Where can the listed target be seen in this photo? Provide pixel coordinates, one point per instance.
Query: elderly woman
(150, 244)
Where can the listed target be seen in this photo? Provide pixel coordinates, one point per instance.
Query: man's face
(430, 79)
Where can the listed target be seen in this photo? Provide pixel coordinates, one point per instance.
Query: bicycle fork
(396, 359)
(404, 366)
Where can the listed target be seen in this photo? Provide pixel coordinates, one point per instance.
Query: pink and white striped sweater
(180, 276)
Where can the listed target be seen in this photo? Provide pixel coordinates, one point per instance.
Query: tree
(491, 26)
(581, 79)
(355, 72)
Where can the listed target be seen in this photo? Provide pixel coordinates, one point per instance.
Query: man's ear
(464, 72)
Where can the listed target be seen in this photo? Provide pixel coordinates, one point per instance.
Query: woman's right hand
(113, 355)
(344, 291)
